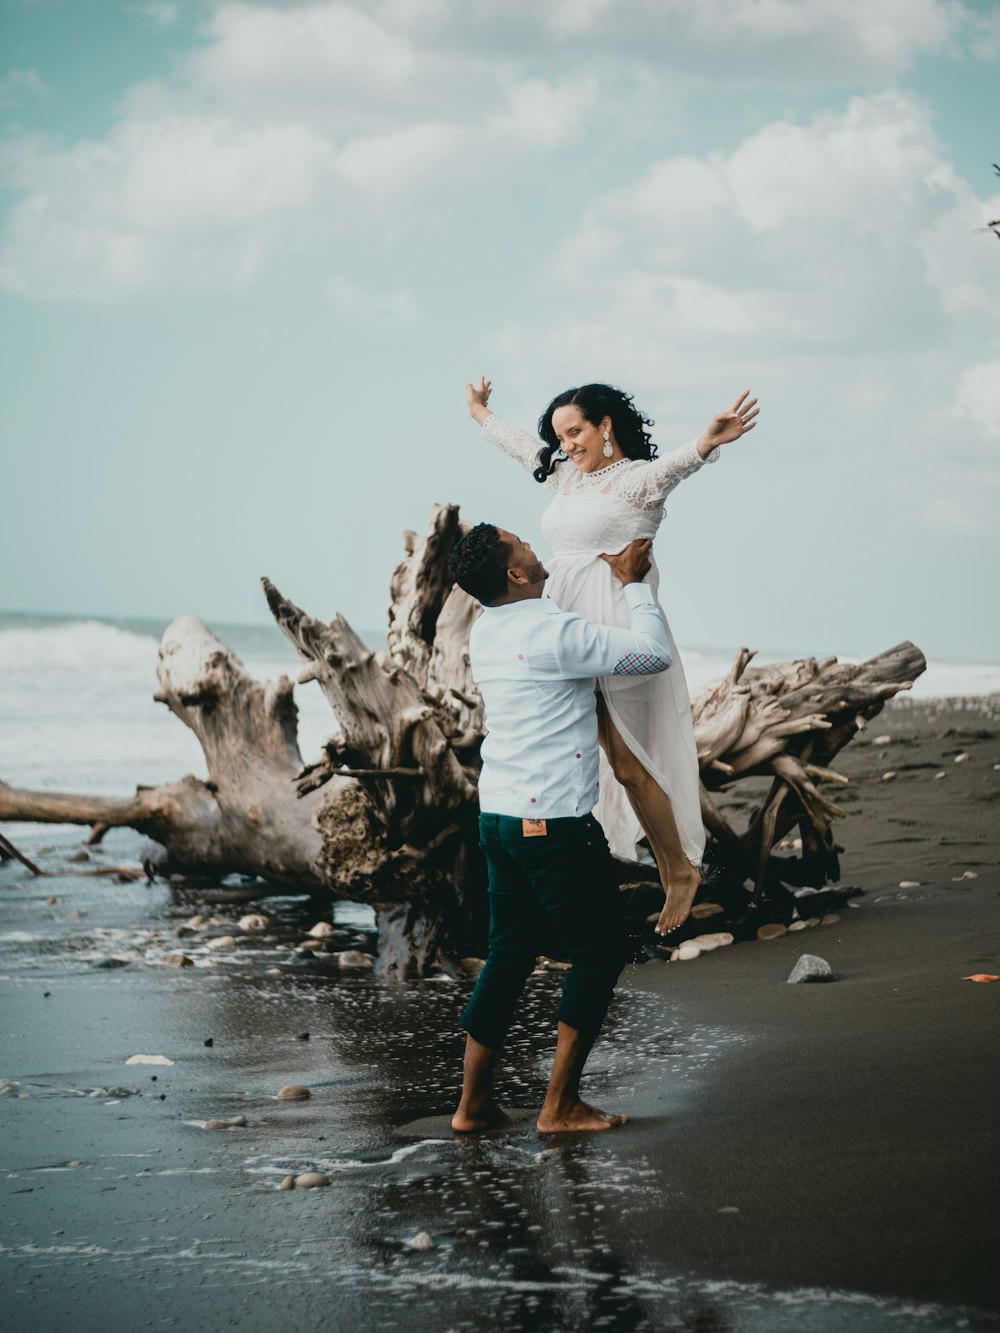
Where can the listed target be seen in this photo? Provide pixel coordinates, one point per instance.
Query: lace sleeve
(647, 485)
(514, 441)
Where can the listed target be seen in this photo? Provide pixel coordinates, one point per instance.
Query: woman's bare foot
(475, 1118)
(680, 896)
(577, 1118)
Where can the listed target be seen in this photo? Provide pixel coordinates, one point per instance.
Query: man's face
(522, 557)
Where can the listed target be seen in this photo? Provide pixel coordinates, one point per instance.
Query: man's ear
(515, 574)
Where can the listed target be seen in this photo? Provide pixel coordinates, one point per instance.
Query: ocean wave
(75, 643)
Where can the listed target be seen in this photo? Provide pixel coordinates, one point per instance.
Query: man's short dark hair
(479, 563)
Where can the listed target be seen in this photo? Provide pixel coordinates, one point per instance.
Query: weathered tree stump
(387, 815)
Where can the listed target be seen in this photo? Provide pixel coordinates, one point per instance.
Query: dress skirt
(652, 714)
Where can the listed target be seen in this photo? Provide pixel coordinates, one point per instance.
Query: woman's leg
(680, 879)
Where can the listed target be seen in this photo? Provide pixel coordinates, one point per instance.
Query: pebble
(223, 942)
(771, 931)
(909, 883)
(148, 1060)
(354, 958)
(293, 1092)
(706, 943)
(313, 946)
(729, 1209)
(77, 857)
(699, 911)
(178, 960)
(310, 1180)
(811, 968)
(420, 1242)
(685, 953)
(472, 966)
(253, 922)
(51, 902)
(234, 1122)
(288, 1183)
(321, 930)
(273, 972)
(961, 758)
(888, 777)
(798, 925)
(881, 740)
(937, 776)
(196, 922)
(966, 874)
(830, 919)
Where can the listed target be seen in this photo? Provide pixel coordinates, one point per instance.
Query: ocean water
(77, 709)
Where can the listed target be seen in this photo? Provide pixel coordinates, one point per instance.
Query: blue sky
(251, 252)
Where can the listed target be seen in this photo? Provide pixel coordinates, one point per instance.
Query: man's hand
(478, 398)
(632, 564)
(739, 420)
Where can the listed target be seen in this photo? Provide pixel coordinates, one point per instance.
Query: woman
(608, 486)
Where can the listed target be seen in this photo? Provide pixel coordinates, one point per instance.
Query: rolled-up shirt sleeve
(585, 649)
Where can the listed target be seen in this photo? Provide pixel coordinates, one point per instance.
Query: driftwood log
(387, 814)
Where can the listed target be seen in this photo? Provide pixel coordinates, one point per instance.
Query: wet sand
(800, 1157)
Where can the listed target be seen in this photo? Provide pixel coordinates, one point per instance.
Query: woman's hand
(477, 399)
(729, 425)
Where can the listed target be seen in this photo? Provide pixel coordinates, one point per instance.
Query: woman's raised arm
(515, 442)
(649, 486)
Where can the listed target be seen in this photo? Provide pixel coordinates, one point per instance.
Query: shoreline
(850, 1123)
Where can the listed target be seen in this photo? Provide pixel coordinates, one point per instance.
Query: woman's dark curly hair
(479, 563)
(596, 401)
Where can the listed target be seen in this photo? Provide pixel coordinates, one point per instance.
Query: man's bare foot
(475, 1119)
(680, 896)
(578, 1118)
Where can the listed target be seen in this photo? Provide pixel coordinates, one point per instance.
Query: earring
(607, 451)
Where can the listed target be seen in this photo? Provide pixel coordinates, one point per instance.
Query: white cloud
(978, 397)
(20, 86)
(850, 232)
(197, 203)
(387, 312)
(736, 42)
(159, 13)
(950, 518)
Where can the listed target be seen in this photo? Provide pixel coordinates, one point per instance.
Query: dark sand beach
(818, 1157)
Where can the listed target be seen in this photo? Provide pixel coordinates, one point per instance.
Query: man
(548, 860)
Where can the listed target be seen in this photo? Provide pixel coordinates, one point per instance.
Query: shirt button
(520, 657)
(532, 800)
(579, 756)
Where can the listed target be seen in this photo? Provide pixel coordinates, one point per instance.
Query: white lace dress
(596, 512)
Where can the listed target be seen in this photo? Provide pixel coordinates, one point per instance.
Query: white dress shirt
(536, 667)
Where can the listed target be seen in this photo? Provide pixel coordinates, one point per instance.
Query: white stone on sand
(293, 1092)
(420, 1242)
(909, 883)
(810, 967)
(354, 959)
(310, 1180)
(223, 942)
(148, 1060)
(178, 960)
(253, 922)
(321, 930)
(718, 940)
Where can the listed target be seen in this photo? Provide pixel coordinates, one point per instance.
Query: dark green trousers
(554, 891)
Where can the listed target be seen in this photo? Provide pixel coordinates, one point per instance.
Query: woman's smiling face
(580, 440)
